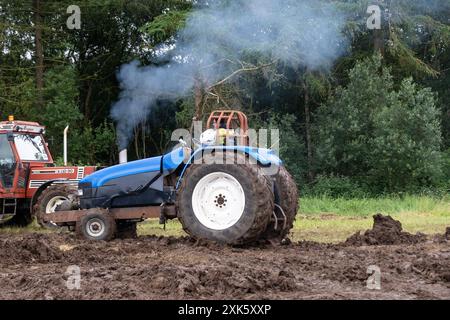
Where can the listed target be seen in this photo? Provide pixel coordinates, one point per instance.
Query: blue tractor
(222, 190)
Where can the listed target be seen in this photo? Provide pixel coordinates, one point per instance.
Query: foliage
(445, 164)
(292, 149)
(387, 138)
(407, 140)
(89, 144)
(381, 125)
(336, 187)
(165, 26)
(61, 95)
(366, 206)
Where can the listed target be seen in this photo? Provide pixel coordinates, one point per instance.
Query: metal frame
(137, 213)
(231, 117)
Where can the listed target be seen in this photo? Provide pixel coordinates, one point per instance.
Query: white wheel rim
(218, 201)
(53, 203)
(95, 227)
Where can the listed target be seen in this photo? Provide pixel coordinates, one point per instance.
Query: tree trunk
(308, 133)
(87, 100)
(379, 41)
(39, 52)
(144, 124)
(199, 97)
(379, 34)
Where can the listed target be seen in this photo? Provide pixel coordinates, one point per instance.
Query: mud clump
(28, 248)
(385, 231)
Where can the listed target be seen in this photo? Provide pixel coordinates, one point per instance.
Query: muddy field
(33, 266)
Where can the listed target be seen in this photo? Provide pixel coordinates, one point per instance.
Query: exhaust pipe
(123, 156)
(65, 146)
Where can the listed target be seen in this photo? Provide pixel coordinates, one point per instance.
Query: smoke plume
(216, 36)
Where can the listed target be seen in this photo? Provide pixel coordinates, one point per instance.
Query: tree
(345, 124)
(407, 140)
(39, 51)
(371, 132)
(34, 32)
(337, 122)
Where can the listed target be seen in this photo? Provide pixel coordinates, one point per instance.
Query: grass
(335, 228)
(333, 220)
(34, 227)
(152, 227)
(325, 219)
(369, 206)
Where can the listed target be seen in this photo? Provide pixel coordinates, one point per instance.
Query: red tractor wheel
(50, 199)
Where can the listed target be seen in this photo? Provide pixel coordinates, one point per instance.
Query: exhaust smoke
(220, 35)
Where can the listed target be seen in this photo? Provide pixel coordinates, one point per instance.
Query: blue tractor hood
(164, 164)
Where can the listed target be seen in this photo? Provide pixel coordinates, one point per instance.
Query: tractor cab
(30, 184)
(22, 146)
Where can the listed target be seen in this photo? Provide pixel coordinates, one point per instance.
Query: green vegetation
(364, 207)
(376, 122)
(380, 137)
(334, 228)
(327, 219)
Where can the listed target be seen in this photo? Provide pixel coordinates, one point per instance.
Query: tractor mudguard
(265, 157)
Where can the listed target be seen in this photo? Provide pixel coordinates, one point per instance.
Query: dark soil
(385, 231)
(34, 266)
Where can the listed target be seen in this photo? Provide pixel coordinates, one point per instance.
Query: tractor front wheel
(229, 203)
(97, 226)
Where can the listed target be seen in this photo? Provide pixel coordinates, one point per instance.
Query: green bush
(89, 145)
(336, 187)
(444, 184)
(291, 148)
(378, 135)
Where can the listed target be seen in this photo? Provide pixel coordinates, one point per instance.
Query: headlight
(80, 192)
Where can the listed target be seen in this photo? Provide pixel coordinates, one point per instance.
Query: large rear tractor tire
(286, 203)
(50, 199)
(228, 203)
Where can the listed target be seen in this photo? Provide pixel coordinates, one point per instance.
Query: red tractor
(30, 183)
